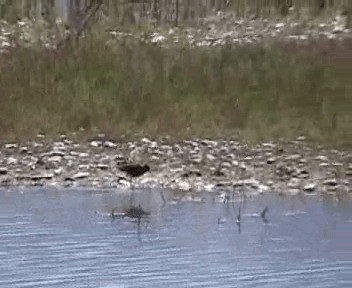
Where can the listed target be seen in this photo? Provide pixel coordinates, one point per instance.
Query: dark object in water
(134, 170)
(263, 215)
(131, 212)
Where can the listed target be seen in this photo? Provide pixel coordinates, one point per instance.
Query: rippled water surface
(65, 238)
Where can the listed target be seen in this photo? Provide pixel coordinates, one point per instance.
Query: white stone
(80, 175)
(95, 143)
(310, 187)
(110, 144)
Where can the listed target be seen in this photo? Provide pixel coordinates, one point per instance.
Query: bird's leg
(132, 190)
(131, 182)
(162, 197)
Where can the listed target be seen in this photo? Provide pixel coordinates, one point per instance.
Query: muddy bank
(197, 165)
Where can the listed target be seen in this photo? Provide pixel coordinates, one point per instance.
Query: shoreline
(223, 166)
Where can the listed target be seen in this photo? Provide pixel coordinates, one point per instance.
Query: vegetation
(126, 12)
(264, 91)
(260, 91)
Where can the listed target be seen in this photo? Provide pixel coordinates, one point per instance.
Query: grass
(258, 92)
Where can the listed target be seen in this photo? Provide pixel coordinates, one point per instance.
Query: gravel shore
(226, 166)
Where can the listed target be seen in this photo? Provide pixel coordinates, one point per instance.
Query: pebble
(102, 166)
(110, 144)
(218, 165)
(11, 146)
(80, 175)
(310, 187)
(55, 159)
(95, 143)
(330, 182)
(294, 183)
(322, 158)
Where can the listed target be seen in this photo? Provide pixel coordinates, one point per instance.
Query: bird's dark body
(134, 170)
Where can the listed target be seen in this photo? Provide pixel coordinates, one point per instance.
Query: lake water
(66, 238)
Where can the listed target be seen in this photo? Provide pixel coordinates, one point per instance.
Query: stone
(83, 155)
(58, 171)
(36, 177)
(270, 160)
(293, 157)
(322, 158)
(102, 166)
(3, 170)
(11, 146)
(55, 159)
(95, 143)
(11, 160)
(268, 145)
(330, 182)
(294, 183)
(182, 185)
(80, 175)
(109, 144)
(24, 150)
(310, 187)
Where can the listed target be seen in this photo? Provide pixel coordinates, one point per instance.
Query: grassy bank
(261, 92)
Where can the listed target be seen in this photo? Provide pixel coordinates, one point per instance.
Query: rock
(270, 160)
(322, 158)
(11, 146)
(67, 142)
(80, 175)
(310, 187)
(293, 157)
(210, 157)
(102, 166)
(3, 170)
(191, 173)
(55, 159)
(36, 177)
(23, 149)
(83, 166)
(37, 145)
(58, 171)
(95, 143)
(83, 155)
(11, 160)
(182, 185)
(294, 183)
(226, 165)
(302, 173)
(268, 145)
(109, 144)
(330, 182)
(57, 152)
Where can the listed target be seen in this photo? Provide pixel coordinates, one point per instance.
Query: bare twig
(91, 9)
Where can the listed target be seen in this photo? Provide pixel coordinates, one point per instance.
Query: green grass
(257, 92)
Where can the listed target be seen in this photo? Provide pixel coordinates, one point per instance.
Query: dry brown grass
(260, 92)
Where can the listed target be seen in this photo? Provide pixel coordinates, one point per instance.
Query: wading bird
(134, 170)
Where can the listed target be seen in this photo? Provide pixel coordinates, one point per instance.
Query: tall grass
(261, 92)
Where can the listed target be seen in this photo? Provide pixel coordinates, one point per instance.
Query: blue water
(65, 238)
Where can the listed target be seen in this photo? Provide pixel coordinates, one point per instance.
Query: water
(65, 238)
